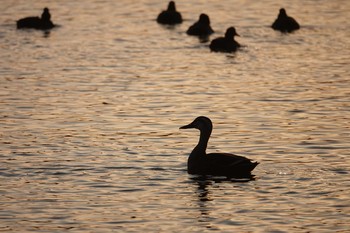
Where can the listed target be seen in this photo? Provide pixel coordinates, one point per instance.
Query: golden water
(90, 115)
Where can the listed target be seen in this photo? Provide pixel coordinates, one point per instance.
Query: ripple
(90, 116)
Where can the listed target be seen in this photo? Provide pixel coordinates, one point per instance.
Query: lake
(91, 110)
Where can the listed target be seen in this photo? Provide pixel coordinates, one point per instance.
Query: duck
(201, 27)
(215, 164)
(285, 23)
(42, 23)
(170, 16)
(225, 44)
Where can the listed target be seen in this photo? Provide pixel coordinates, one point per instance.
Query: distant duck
(170, 16)
(201, 27)
(216, 164)
(285, 23)
(42, 23)
(225, 44)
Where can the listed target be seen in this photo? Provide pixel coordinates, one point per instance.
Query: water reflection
(47, 33)
(205, 194)
(286, 95)
(204, 39)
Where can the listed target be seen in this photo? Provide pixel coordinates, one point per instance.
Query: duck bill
(189, 126)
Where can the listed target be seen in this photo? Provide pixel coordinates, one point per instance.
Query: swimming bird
(225, 44)
(285, 23)
(170, 16)
(216, 164)
(42, 23)
(201, 27)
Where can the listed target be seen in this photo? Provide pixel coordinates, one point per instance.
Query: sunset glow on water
(90, 117)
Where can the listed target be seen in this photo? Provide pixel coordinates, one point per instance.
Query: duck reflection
(203, 182)
(204, 197)
(46, 34)
(204, 191)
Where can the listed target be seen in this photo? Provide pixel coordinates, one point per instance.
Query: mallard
(43, 23)
(170, 16)
(201, 27)
(225, 44)
(285, 23)
(215, 164)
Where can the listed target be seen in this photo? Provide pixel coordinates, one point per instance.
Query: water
(90, 115)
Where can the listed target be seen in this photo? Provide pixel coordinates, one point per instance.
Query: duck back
(169, 17)
(28, 22)
(199, 30)
(231, 165)
(224, 45)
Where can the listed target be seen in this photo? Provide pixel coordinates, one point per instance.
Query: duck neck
(229, 38)
(203, 141)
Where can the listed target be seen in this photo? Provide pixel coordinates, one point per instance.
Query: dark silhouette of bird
(170, 16)
(201, 27)
(285, 23)
(42, 23)
(225, 44)
(216, 164)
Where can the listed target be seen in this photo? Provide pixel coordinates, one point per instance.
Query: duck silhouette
(285, 23)
(215, 164)
(201, 27)
(42, 23)
(225, 44)
(170, 16)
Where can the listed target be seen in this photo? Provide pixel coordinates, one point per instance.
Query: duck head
(171, 6)
(282, 14)
(46, 16)
(231, 32)
(202, 123)
(204, 19)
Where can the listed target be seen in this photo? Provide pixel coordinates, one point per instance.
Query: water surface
(90, 115)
